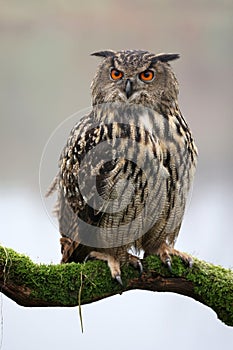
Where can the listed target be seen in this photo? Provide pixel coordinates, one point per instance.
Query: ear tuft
(165, 57)
(107, 53)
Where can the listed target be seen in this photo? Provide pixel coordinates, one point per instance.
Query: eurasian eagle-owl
(126, 170)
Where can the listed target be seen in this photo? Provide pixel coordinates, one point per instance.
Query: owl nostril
(128, 88)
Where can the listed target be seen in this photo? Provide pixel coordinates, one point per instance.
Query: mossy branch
(31, 284)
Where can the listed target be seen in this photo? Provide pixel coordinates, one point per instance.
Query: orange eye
(116, 74)
(147, 76)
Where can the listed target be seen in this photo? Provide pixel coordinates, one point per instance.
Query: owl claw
(188, 261)
(136, 263)
(165, 253)
(88, 257)
(140, 267)
(119, 280)
(169, 264)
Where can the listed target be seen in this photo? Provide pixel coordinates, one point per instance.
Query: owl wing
(113, 182)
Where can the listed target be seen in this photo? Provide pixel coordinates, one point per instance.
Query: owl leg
(68, 246)
(165, 252)
(113, 264)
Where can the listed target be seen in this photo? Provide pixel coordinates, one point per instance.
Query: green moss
(179, 269)
(214, 284)
(60, 284)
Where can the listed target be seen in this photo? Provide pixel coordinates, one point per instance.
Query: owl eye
(147, 75)
(116, 74)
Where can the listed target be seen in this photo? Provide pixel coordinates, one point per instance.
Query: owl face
(134, 76)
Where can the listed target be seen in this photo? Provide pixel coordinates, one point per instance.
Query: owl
(127, 167)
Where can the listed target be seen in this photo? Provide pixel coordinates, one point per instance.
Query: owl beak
(128, 88)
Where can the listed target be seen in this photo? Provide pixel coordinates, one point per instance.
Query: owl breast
(123, 174)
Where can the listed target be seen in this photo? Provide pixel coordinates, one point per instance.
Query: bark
(30, 284)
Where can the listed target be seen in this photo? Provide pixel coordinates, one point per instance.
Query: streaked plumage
(126, 170)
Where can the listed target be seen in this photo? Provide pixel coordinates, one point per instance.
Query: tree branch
(31, 284)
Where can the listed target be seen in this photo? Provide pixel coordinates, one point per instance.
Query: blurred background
(45, 74)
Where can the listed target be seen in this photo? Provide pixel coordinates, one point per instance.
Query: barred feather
(127, 168)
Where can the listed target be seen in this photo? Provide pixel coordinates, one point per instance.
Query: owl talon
(165, 253)
(169, 264)
(119, 280)
(136, 263)
(89, 257)
(140, 267)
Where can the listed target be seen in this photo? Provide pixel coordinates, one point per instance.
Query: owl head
(134, 76)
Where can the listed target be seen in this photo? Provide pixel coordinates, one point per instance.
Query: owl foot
(113, 264)
(165, 252)
(68, 246)
(65, 241)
